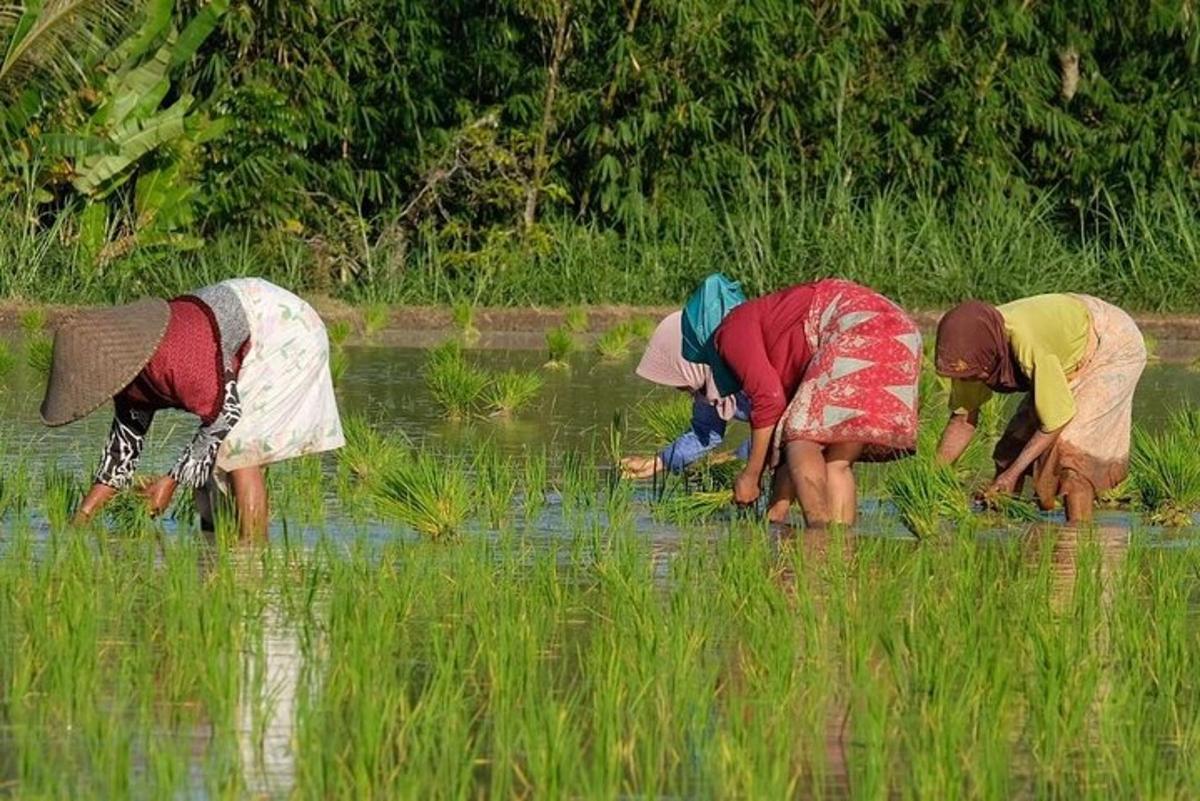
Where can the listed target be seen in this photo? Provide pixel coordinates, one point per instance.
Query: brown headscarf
(972, 346)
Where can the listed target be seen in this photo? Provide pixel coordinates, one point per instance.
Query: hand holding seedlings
(158, 493)
(746, 488)
(641, 466)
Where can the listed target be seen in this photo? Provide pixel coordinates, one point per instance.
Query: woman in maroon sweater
(830, 369)
(248, 358)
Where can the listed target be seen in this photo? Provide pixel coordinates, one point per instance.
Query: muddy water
(573, 412)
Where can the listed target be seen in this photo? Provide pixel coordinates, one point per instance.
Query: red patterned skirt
(861, 385)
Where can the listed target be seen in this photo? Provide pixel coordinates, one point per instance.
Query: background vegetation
(565, 151)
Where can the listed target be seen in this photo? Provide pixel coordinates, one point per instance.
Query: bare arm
(957, 436)
(1038, 444)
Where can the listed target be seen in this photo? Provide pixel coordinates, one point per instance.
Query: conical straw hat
(97, 353)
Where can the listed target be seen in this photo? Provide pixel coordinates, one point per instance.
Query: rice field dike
(478, 616)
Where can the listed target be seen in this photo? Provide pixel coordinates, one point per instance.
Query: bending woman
(663, 364)
(1078, 359)
(248, 358)
(830, 369)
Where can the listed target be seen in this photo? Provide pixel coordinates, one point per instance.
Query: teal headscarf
(702, 314)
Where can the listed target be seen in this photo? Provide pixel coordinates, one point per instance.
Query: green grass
(39, 353)
(658, 423)
(339, 363)
(641, 327)
(33, 321)
(928, 496)
(339, 332)
(616, 342)
(7, 360)
(576, 320)
(375, 317)
(463, 314)
(560, 344)
(512, 390)
(1165, 474)
(425, 493)
(457, 386)
(732, 664)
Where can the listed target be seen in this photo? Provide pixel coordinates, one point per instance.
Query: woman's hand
(1004, 484)
(746, 488)
(641, 466)
(158, 493)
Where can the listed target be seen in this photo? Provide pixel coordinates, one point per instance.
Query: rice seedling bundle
(681, 507)
(339, 331)
(641, 327)
(661, 422)
(512, 390)
(576, 320)
(926, 494)
(368, 453)
(456, 386)
(375, 318)
(7, 360)
(39, 354)
(615, 343)
(462, 312)
(33, 321)
(560, 344)
(1165, 472)
(427, 493)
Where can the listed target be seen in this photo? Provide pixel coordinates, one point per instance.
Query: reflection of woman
(248, 358)
(1079, 359)
(663, 364)
(830, 369)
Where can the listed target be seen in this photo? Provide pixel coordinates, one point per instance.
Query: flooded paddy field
(480, 608)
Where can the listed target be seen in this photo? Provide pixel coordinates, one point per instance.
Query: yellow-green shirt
(1049, 337)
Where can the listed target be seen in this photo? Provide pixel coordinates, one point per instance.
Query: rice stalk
(615, 343)
(33, 321)
(576, 320)
(456, 386)
(512, 390)
(428, 495)
(40, 354)
(1165, 473)
(682, 507)
(560, 344)
(661, 422)
(927, 494)
(375, 317)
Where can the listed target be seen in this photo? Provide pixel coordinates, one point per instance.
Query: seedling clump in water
(512, 390)
(457, 386)
(561, 344)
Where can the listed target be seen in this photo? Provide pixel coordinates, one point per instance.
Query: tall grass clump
(616, 342)
(375, 317)
(927, 495)
(462, 312)
(7, 360)
(39, 353)
(1165, 474)
(368, 454)
(560, 344)
(339, 332)
(33, 321)
(457, 387)
(427, 493)
(512, 390)
(576, 320)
